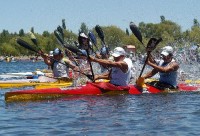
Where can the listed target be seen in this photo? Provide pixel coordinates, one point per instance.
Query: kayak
(41, 82)
(100, 88)
(53, 85)
(25, 73)
(34, 82)
(38, 85)
(52, 93)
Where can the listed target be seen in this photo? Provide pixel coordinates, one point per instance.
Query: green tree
(83, 28)
(46, 34)
(194, 35)
(113, 36)
(162, 19)
(63, 24)
(21, 32)
(195, 23)
(127, 32)
(32, 29)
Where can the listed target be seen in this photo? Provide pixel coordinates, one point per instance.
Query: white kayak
(22, 75)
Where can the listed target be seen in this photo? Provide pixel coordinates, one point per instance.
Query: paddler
(167, 68)
(84, 42)
(59, 64)
(120, 72)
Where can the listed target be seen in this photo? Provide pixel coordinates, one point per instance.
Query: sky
(46, 15)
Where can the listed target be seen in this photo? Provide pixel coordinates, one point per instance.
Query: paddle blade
(33, 38)
(136, 31)
(25, 45)
(58, 37)
(140, 82)
(100, 33)
(153, 42)
(92, 38)
(60, 30)
(75, 50)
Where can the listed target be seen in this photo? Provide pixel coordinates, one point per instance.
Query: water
(146, 114)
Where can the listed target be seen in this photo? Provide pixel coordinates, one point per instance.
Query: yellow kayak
(53, 85)
(36, 83)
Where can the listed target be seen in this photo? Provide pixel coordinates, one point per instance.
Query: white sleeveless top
(118, 77)
(60, 70)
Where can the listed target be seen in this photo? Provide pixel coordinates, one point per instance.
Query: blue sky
(47, 14)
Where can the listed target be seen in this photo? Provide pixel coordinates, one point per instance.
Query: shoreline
(20, 58)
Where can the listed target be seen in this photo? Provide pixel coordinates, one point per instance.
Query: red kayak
(100, 88)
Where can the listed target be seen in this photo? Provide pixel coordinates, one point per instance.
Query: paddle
(27, 46)
(100, 33)
(101, 36)
(33, 38)
(151, 45)
(136, 32)
(153, 42)
(93, 39)
(59, 28)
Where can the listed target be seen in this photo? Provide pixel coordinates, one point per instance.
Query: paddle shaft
(90, 65)
(148, 54)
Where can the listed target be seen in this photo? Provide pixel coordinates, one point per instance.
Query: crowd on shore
(20, 58)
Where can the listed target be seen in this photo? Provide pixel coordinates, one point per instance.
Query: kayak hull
(52, 93)
(88, 89)
(39, 84)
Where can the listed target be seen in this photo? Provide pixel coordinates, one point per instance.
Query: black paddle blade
(100, 33)
(58, 37)
(60, 30)
(153, 42)
(34, 41)
(25, 45)
(74, 50)
(136, 31)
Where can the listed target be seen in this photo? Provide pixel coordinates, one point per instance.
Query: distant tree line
(169, 31)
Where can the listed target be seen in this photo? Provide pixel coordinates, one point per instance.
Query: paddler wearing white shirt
(120, 72)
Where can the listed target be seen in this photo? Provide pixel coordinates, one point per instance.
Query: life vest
(59, 69)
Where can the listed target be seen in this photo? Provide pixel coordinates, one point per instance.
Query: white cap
(167, 50)
(83, 35)
(118, 51)
(51, 53)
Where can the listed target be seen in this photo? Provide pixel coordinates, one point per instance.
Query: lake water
(146, 114)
